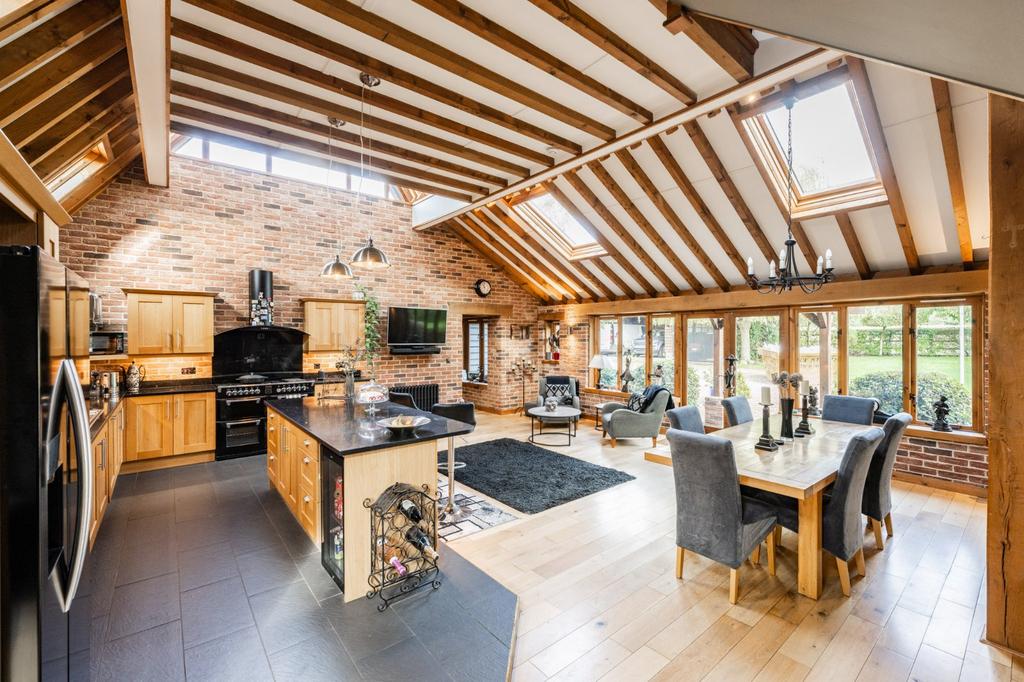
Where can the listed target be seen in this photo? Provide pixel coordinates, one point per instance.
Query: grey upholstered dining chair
(686, 418)
(712, 518)
(842, 533)
(737, 410)
(848, 408)
(877, 504)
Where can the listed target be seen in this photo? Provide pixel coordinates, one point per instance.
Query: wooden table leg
(809, 542)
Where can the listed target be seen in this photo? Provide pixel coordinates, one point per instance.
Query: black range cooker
(252, 365)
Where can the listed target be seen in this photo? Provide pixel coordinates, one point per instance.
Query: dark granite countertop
(331, 378)
(100, 409)
(341, 427)
(172, 386)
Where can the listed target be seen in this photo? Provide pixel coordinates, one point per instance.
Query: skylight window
(552, 211)
(555, 224)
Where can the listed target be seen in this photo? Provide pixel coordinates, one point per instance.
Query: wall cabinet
(168, 425)
(332, 325)
(168, 323)
(293, 468)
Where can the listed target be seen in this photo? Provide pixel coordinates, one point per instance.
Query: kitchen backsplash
(161, 367)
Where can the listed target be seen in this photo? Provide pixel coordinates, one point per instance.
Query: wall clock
(482, 288)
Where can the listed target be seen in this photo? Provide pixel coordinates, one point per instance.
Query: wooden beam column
(1005, 556)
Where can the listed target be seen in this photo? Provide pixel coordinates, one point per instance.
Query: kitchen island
(326, 457)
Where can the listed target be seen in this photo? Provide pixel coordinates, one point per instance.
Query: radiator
(425, 395)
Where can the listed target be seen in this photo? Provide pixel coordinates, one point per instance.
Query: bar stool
(461, 412)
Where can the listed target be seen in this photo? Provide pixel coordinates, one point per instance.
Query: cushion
(635, 402)
(560, 392)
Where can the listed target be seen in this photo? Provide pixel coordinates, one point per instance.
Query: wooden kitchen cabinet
(101, 491)
(195, 426)
(168, 323)
(293, 468)
(168, 425)
(332, 324)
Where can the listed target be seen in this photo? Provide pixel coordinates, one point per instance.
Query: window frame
(519, 204)
(482, 348)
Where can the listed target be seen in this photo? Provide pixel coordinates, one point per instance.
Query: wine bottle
(400, 569)
(410, 510)
(420, 541)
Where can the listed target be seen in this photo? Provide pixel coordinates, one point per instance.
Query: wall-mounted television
(417, 326)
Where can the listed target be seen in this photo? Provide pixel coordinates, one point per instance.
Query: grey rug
(529, 478)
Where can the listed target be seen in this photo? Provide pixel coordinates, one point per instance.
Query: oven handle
(250, 399)
(242, 422)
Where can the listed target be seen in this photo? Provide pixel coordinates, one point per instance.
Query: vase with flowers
(788, 384)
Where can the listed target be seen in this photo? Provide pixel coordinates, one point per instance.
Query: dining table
(801, 468)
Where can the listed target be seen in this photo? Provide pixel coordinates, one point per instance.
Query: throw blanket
(649, 394)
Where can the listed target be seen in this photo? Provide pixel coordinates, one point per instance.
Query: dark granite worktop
(342, 428)
(172, 386)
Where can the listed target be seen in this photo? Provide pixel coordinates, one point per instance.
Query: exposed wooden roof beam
(610, 248)
(221, 101)
(797, 89)
(804, 243)
(71, 125)
(226, 138)
(379, 28)
(627, 291)
(97, 182)
(638, 250)
(29, 50)
(853, 244)
(876, 136)
(308, 40)
(697, 202)
(590, 28)
(514, 262)
(551, 274)
(707, 152)
(257, 86)
(67, 100)
(731, 47)
(951, 153)
(55, 74)
(77, 145)
(474, 242)
(511, 42)
(214, 41)
(641, 221)
(670, 216)
(147, 32)
(27, 13)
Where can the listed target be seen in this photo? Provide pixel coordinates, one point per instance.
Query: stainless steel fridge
(46, 485)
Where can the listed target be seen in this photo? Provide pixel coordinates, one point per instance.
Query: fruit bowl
(403, 423)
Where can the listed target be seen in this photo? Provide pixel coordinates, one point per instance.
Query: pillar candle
(805, 387)
(766, 395)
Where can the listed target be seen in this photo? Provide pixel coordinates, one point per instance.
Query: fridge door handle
(68, 375)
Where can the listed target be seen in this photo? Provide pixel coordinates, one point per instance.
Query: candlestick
(766, 441)
(804, 427)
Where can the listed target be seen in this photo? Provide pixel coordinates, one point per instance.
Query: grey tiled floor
(202, 573)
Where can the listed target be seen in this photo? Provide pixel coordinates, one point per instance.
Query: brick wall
(215, 223)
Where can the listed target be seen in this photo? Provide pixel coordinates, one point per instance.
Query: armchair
(620, 422)
(542, 390)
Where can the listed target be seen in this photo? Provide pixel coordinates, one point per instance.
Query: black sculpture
(941, 408)
(730, 376)
(812, 402)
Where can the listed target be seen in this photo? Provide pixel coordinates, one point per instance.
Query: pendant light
(368, 257)
(335, 269)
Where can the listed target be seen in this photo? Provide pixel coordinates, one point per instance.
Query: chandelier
(787, 274)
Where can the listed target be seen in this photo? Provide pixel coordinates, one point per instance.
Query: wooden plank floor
(599, 599)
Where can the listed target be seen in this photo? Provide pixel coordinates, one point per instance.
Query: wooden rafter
(853, 244)
(339, 136)
(566, 269)
(641, 221)
(804, 244)
(388, 32)
(308, 40)
(697, 202)
(97, 182)
(75, 146)
(513, 260)
(607, 271)
(280, 93)
(252, 55)
(29, 13)
(876, 136)
(837, 75)
(731, 47)
(29, 50)
(511, 42)
(474, 242)
(707, 152)
(638, 250)
(951, 153)
(610, 248)
(590, 28)
(67, 100)
(55, 74)
(555, 277)
(206, 132)
(670, 216)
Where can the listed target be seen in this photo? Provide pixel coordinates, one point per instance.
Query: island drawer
(309, 468)
(308, 511)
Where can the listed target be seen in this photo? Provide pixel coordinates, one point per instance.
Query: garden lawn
(949, 366)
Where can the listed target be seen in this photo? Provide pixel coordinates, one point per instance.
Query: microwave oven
(107, 343)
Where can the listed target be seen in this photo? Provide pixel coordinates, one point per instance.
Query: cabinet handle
(167, 408)
(271, 458)
(270, 428)
(305, 460)
(177, 408)
(181, 342)
(306, 499)
(170, 340)
(306, 442)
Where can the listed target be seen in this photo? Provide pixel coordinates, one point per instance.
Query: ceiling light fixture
(335, 269)
(368, 257)
(788, 274)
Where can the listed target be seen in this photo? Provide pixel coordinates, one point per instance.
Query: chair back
(405, 399)
(737, 410)
(659, 403)
(460, 412)
(686, 419)
(709, 510)
(842, 528)
(878, 486)
(542, 388)
(848, 408)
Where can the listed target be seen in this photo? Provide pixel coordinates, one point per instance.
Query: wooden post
(1005, 618)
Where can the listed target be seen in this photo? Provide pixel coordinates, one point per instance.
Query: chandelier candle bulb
(771, 270)
(782, 259)
(828, 258)
(820, 262)
(750, 265)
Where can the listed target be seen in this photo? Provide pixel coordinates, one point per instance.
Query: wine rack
(398, 565)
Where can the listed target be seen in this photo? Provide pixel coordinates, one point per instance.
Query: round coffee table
(561, 415)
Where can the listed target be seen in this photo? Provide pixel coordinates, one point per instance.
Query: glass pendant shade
(337, 269)
(370, 257)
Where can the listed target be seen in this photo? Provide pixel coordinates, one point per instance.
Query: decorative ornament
(941, 408)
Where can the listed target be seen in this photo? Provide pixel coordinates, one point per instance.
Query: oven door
(241, 437)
